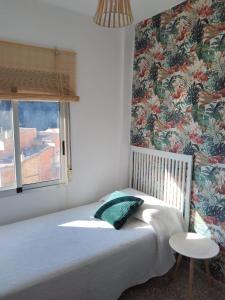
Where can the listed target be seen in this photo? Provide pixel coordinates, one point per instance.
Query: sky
(40, 115)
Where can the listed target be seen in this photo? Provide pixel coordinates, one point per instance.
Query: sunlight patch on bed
(86, 224)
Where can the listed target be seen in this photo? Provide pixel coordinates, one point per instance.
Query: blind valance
(36, 73)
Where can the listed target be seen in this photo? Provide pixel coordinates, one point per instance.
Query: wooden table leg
(179, 259)
(191, 276)
(208, 272)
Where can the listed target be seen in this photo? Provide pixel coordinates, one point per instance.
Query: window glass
(39, 127)
(7, 156)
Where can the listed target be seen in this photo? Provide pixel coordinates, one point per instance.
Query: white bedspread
(69, 255)
(165, 220)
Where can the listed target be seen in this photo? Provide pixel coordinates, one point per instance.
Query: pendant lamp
(113, 13)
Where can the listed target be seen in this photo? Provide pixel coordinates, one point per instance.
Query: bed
(71, 255)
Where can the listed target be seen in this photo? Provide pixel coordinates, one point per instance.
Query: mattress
(70, 255)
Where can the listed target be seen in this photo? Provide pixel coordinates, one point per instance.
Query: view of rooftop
(39, 142)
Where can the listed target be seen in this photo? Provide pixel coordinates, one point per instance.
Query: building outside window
(33, 144)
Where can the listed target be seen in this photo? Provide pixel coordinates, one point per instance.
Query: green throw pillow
(118, 208)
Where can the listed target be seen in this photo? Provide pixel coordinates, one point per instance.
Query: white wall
(100, 121)
(127, 77)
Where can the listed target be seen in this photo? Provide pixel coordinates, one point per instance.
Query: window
(33, 144)
(34, 133)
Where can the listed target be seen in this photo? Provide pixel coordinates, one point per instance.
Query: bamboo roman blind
(36, 73)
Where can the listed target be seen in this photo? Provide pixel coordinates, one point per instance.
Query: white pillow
(147, 199)
(153, 209)
(133, 192)
(128, 191)
(147, 212)
(104, 198)
(149, 209)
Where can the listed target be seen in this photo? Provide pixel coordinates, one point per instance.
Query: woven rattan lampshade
(113, 13)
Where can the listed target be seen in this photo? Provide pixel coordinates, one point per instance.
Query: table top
(193, 245)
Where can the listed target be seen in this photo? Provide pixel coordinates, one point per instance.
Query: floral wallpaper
(178, 103)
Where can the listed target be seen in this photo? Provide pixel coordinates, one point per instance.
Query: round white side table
(194, 246)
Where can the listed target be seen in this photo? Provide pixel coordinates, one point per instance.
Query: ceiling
(142, 9)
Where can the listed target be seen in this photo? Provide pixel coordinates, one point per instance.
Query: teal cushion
(118, 208)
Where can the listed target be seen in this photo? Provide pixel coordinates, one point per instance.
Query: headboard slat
(164, 175)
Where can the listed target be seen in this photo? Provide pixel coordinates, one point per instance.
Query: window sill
(32, 188)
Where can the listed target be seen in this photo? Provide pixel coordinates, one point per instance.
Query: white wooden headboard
(164, 175)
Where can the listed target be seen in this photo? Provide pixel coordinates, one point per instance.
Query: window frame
(65, 151)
